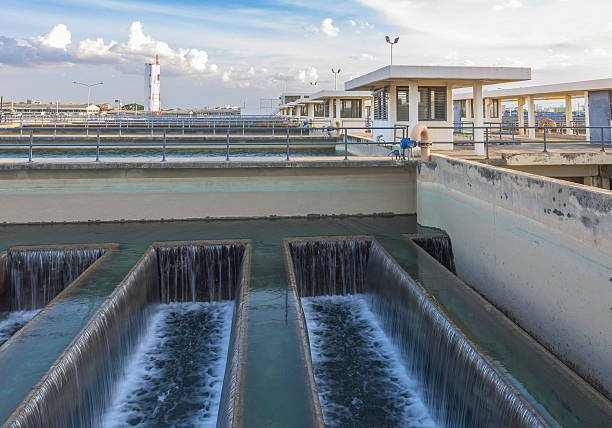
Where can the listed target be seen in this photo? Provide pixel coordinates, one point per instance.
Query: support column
(468, 109)
(520, 113)
(587, 121)
(310, 110)
(568, 113)
(479, 134)
(487, 115)
(413, 104)
(531, 117)
(338, 108)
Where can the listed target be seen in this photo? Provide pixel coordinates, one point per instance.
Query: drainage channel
(381, 350)
(166, 347)
(33, 277)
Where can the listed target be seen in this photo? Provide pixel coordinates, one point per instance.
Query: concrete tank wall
(112, 192)
(540, 249)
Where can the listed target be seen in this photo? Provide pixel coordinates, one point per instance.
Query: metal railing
(335, 135)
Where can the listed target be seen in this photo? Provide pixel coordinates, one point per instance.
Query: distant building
(153, 86)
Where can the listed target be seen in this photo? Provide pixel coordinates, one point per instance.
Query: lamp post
(335, 78)
(88, 86)
(394, 42)
(313, 83)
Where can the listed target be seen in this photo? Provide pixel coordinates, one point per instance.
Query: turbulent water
(10, 322)
(176, 374)
(360, 379)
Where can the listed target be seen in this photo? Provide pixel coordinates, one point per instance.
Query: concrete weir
(457, 383)
(80, 386)
(32, 278)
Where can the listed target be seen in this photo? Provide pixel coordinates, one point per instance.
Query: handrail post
(602, 140)
(227, 150)
(119, 125)
(31, 142)
(98, 146)
(487, 143)
(214, 126)
(55, 125)
(152, 123)
(545, 151)
(164, 147)
(287, 144)
(243, 127)
(183, 129)
(21, 126)
(273, 128)
(346, 144)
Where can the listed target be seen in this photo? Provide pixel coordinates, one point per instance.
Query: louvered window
(321, 110)
(381, 104)
(350, 109)
(432, 103)
(494, 109)
(402, 104)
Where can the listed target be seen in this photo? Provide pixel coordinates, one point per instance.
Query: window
(494, 109)
(463, 108)
(432, 103)
(402, 104)
(303, 110)
(334, 108)
(381, 103)
(291, 98)
(350, 109)
(321, 109)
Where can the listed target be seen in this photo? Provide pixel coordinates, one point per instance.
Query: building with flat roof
(596, 95)
(406, 95)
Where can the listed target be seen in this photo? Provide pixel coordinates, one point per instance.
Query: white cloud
(363, 57)
(307, 75)
(327, 28)
(58, 38)
(508, 4)
(352, 23)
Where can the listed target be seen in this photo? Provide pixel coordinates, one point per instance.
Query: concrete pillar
(338, 108)
(587, 121)
(487, 115)
(310, 110)
(330, 116)
(479, 134)
(568, 113)
(520, 112)
(468, 109)
(531, 117)
(413, 104)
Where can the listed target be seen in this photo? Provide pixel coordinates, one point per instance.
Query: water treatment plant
(418, 247)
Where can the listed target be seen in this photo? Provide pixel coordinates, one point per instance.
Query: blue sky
(235, 52)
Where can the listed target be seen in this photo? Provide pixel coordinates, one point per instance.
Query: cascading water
(459, 387)
(440, 248)
(31, 278)
(130, 340)
(326, 268)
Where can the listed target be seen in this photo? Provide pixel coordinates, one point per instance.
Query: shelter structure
(596, 94)
(406, 95)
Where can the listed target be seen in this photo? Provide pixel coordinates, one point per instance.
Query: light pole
(335, 78)
(388, 39)
(313, 83)
(89, 86)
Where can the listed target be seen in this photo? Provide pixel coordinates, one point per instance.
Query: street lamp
(313, 83)
(89, 86)
(335, 78)
(388, 39)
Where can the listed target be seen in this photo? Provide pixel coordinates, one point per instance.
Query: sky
(235, 52)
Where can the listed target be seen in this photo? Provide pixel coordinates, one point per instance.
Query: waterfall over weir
(458, 385)
(79, 388)
(440, 248)
(31, 277)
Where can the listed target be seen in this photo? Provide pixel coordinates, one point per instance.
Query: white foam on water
(11, 322)
(345, 336)
(192, 377)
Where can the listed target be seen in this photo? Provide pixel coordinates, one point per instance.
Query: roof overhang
(451, 76)
(542, 92)
(323, 95)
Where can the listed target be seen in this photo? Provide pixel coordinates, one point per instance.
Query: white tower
(153, 87)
